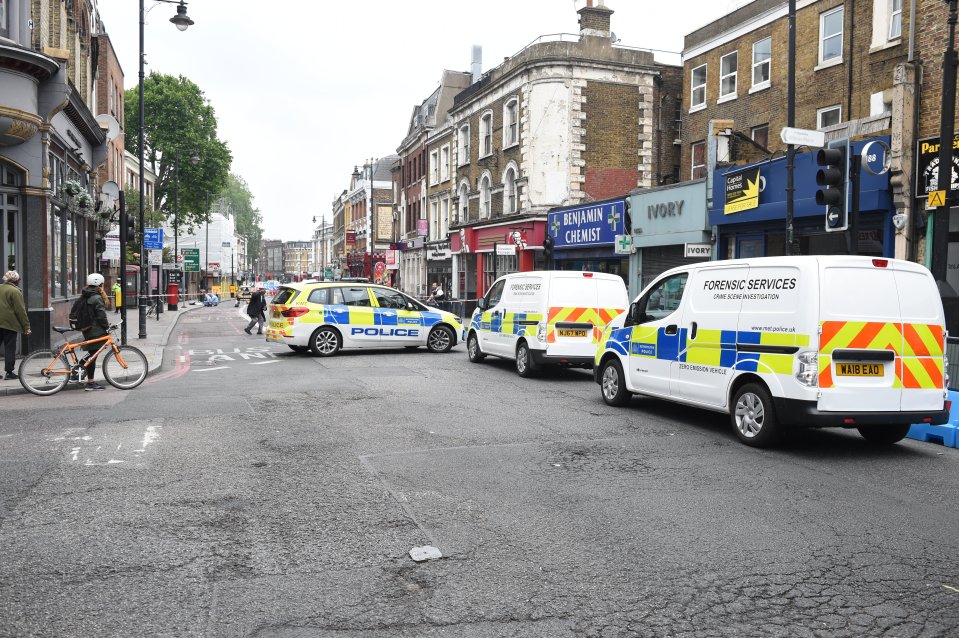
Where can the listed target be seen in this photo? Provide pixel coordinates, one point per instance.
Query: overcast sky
(306, 89)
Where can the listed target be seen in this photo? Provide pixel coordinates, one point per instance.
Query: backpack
(80, 318)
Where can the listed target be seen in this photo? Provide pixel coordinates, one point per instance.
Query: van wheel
(325, 342)
(440, 340)
(525, 366)
(884, 434)
(613, 384)
(473, 349)
(753, 416)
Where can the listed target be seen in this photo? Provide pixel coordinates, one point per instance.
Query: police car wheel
(473, 349)
(884, 434)
(613, 384)
(525, 366)
(753, 416)
(325, 342)
(440, 340)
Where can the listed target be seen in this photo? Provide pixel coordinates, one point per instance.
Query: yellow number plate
(859, 370)
(571, 333)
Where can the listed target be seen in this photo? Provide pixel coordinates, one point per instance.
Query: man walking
(13, 320)
(256, 310)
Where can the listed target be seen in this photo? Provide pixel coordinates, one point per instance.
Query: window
(698, 88)
(509, 191)
(390, 299)
(664, 299)
(486, 135)
(445, 163)
(728, 70)
(356, 297)
(434, 167)
(463, 145)
(895, 20)
(830, 35)
(495, 293)
(434, 220)
(699, 160)
(464, 203)
(511, 123)
(327, 297)
(828, 116)
(485, 196)
(444, 218)
(762, 60)
(760, 135)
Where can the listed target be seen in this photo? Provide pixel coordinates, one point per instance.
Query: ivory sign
(699, 251)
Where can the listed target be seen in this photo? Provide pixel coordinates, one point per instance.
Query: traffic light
(128, 229)
(833, 179)
(548, 244)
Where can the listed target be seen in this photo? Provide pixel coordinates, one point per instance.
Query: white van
(545, 317)
(855, 342)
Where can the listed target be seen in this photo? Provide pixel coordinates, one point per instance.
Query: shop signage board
(702, 251)
(623, 245)
(742, 191)
(505, 249)
(213, 265)
(392, 263)
(927, 166)
(589, 225)
(153, 238)
(191, 259)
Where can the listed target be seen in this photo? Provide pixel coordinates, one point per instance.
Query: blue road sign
(153, 238)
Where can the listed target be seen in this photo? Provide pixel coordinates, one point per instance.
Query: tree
(248, 220)
(177, 115)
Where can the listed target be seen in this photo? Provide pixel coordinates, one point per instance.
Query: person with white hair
(13, 320)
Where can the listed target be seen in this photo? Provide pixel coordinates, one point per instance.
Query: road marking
(152, 434)
(211, 369)
(951, 588)
(263, 363)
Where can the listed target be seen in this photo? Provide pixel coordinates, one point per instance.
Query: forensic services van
(545, 318)
(845, 341)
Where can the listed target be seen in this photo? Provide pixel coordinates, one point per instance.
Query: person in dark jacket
(94, 295)
(256, 310)
(13, 320)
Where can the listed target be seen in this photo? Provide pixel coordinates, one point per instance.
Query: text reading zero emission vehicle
(853, 342)
(325, 317)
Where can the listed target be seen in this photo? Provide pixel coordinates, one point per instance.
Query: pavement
(158, 334)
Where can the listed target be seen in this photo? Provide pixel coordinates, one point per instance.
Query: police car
(327, 316)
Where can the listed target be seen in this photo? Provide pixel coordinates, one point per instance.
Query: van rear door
(877, 354)
(580, 306)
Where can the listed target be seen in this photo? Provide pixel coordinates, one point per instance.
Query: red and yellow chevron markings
(599, 317)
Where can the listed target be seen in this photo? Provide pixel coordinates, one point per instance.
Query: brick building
(370, 199)
(560, 123)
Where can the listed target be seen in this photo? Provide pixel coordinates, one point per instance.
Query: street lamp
(182, 21)
(195, 159)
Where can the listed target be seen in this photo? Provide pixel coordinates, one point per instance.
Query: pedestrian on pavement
(256, 310)
(94, 296)
(117, 301)
(13, 320)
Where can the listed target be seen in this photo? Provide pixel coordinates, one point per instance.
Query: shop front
(584, 237)
(670, 229)
(748, 210)
(439, 266)
(480, 254)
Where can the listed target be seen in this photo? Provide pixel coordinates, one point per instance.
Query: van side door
(656, 338)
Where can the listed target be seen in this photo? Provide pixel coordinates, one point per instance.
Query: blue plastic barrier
(946, 434)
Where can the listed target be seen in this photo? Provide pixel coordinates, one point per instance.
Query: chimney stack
(476, 68)
(594, 21)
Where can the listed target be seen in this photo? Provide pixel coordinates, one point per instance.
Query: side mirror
(635, 314)
(481, 303)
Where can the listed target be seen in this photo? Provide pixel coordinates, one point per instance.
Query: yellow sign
(215, 290)
(232, 288)
(937, 199)
(742, 191)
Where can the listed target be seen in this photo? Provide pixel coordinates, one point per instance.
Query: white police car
(328, 316)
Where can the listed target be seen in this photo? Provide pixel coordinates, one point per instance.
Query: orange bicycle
(47, 372)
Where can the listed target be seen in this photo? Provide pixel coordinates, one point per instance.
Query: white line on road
(211, 369)
(263, 363)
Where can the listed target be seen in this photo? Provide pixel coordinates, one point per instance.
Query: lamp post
(195, 158)
(182, 22)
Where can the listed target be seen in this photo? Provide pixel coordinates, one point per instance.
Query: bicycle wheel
(126, 371)
(41, 372)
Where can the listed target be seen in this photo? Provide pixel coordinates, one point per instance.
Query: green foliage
(178, 116)
(248, 219)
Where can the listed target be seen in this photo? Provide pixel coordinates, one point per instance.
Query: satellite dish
(110, 124)
(110, 189)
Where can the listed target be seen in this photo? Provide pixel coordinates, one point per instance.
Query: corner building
(563, 122)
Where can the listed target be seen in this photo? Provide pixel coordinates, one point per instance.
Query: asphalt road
(249, 491)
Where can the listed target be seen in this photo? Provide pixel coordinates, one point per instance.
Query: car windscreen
(284, 296)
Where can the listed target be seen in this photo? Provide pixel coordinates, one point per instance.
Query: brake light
(587, 274)
(880, 263)
(294, 312)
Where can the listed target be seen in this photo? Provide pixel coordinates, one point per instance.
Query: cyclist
(96, 306)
